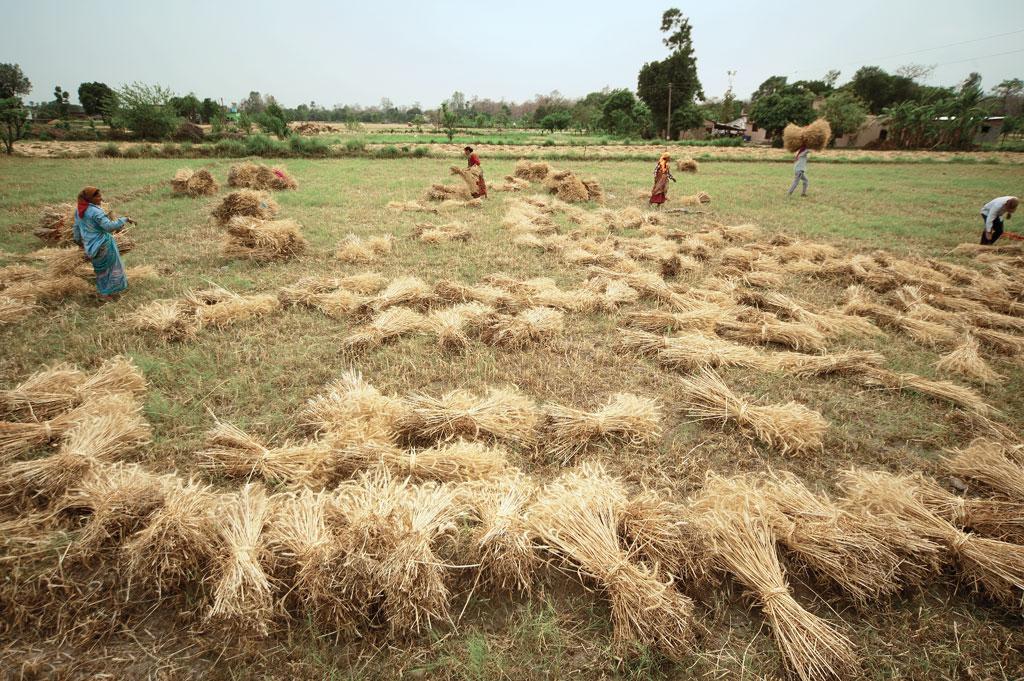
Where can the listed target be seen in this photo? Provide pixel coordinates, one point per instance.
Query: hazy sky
(421, 51)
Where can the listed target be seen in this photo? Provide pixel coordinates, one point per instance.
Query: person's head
(1011, 205)
(91, 195)
(467, 151)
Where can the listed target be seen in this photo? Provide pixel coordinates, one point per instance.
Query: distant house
(875, 130)
(751, 132)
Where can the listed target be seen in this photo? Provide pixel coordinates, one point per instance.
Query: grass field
(259, 375)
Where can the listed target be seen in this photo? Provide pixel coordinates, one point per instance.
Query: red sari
(481, 186)
(661, 177)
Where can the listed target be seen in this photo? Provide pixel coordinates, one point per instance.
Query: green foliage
(244, 123)
(272, 120)
(145, 110)
(390, 151)
(449, 120)
(110, 150)
(420, 152)
(13, 121)
(775, 111)
(131, 152)
(253, 104)
(309, 146)
(355, 146)
(844, 112)
(261, 145)
(623, 114)
(95, 99)
(950, 123)
(210, 110)
(687, 117)
(61, 101)
(186, 107)
(13, 82)
(556, 120)
(680, 69)
(880, 90)
(230, 148)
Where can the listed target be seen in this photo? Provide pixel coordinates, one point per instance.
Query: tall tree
(844, 112)
(62, 101)
(253, 104)
(13, 83)
(95, 99)
(880, 90)
(679, 69)
(1008, 90)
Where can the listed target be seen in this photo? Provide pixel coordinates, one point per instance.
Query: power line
(998, 54)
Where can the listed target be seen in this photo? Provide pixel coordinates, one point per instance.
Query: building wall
(989, 131)
(872, 130)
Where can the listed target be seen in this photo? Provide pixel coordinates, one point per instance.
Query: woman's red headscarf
(86, 197)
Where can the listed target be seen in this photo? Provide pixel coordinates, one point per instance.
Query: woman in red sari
(474, 165)
(662, 175)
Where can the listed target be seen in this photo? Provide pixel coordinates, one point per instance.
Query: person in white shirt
(800, 172)
(993, 213)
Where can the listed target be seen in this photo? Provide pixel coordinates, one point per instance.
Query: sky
(420, 51)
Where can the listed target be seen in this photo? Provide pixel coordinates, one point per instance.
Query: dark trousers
(997, 231)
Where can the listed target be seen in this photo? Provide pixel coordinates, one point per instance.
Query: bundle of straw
(768, 329)
(662, 534)
(595, 192)
(339, 303)
(56, 223)
(532, 171)
(48, 391)
(512, 184)
(504, 550)
(702, 317)
(576, 517)
(995, 518)
(944, 391)
(829, 323)
(850, 362)
(742, 542)
(234, 452)
(187, 182)
(965, 360)
(531, 326)
(263, 240)
(566, 186)
(47, 288)
(243, 595)
(697, 199)
(351, 398)
(625, 419)
(995, 465)
(306, 290)
(450, 462)
(789, 427)
(245, 202)
(172, 320)
(500, 414)
(457, 292)
(451, 324)
(995, 566)
(814, 136)
(433, 234)
(179, 540)
(232, 308)
(403, 291)
(999, 341)
(686, 165)
(410, 207)
(389, 324)
(13, 310)
(257, 176)
(354, 249)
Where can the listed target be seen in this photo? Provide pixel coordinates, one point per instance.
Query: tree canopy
(679, 69)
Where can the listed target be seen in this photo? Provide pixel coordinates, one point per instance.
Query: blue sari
(92, 231)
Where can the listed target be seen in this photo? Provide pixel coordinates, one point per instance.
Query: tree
(145, 110)
(679, 69)
(727, 111)
(879, 90)
(449, 121)
(769, 87)
(208, 110)
(13, 82)
(619, 115)
(253, 104)
(1009, 89)
(13, 121)
(95, 99)
(687, 117)
(775, 111)
(187, 107)
(272, 120)
(832, 77)
(916, 71)
(844, 112)
(557, 120)
(62, 101)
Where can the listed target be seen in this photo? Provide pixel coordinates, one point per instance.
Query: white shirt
(993, 209)
(801, 162)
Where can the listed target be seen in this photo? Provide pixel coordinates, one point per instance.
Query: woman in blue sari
(92, 232)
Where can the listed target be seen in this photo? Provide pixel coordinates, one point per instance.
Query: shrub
(144, 110)
(44, 136)
(169, 149)
(261, 145)
(549, 142)
(390, 151)
(110, 150)
(147, 150)
(355, 146)
(420, 152)
(309, 146)
(230, 148)
(131, 152)
(189, 132)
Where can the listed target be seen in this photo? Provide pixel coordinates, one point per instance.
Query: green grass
(259, 375)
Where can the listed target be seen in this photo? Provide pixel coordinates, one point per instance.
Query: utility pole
(668, 120)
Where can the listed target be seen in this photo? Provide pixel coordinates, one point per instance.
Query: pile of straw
(351, 398)
(686, 165)
(502, 540)
(662, 534)
(996, 466)
(576, 517)
(850, 362)
(235, 453)
(13, 310)
(470, 176)
(389, 324)
(187, 182)
(742, 543)
(566, 186)
(354, 249)
(512, 184)
(245, 202)
(221, 308)
(433, 234)
(966, 361)
(789, 427)
(532, 171)
(943, 391)
(534, 325)
(595, 192)
(499, 414)
(457, 292)
(447, 192)
(47, 287)
(691, 350)
(457, 461)
(263, 240)
(261, 177)
(698, 199)
(452, 325)
(172, 320)
(56, 223)
(768, 329)
(814, 136)
(625, 419)
(410, 207)
(307, 290)
(403, 291)
(55, 389)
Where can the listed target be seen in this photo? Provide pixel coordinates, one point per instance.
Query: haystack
(499, 414)
(234, 452)
(698, 199)
(624, 420)
(403, 291)
(245, 202)
(351, 398)
(56, 223)
(566, 186)
(257, 176)
(532, 171)
(577, 518)
(433, 234)
(389, 324)
(595, 192)
(355, 249)
(814, 136)
(790, 427)
(535, 325)
(187, 182)
(686, 165)
(231, 308)
(263, 240)
(453, 324)
(172, 320)
(447, 192)
(966, 361)
(13, 310)
(997, 466)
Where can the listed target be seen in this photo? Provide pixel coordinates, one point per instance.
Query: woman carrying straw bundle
(800, 171)
(662, 175)
(92, 231)
(993, 212)
(473, 161)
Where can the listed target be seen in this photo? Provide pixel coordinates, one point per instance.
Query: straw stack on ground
(456, 461)
(389, 324)
(502, 540)
(452, 325)
(814, 136)
(535, 325)
(499, 414)
(943, 391)
(997, 466)
(532, 171)
(698, 199)
(187, 182)
(966, 361)
(576, 518)
(257, 176)
(234, 452)
(742, 543)
(55, 223)
(263, 240)
(355, 249)
(220, 308)
(171, 320)
(245, 202)
(790, 427)
(566, 186)
(351, 398)
(625, 419)
(686, 165)
(433, 234)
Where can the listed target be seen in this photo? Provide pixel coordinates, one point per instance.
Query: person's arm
(106, 224)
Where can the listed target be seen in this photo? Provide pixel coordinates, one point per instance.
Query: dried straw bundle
(450, 462)
(56, 222)
(403, 291)
(187, 182)
(354, 249)
(965, 360)
(433, 234)
(995, 465)
(47, 288)
(850, 362)
(503, 547)
(944, 391)
(389, 324)
(243, 595)
(567, 187)
(446, 192)
(698, 199)
(452, 324)
(119, 498)
(470, 176)
(410, 207)
(686, 165)
(625, 419)
(43, 394)
(577, 518)
(257, 176)
(179, 541)
(995, 566)
(232, 451)
(457, 292)
(512, 184)
(351, 398)
(995, 518)
(618, 293)
(831, 541)
(830, 324)
(233, 308)
(500, 414)
(245, 202)
(595, 192)
(768, 329)
(663, 535)
(742, 542)
(61, 261)
(306, 290)
(452, 204)
(789, 427)
(535, 325)
(532, 171)
(999, 341)
(814, 136)
(692, 350)
(263, 240)
(173, 320)
(339, 303)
